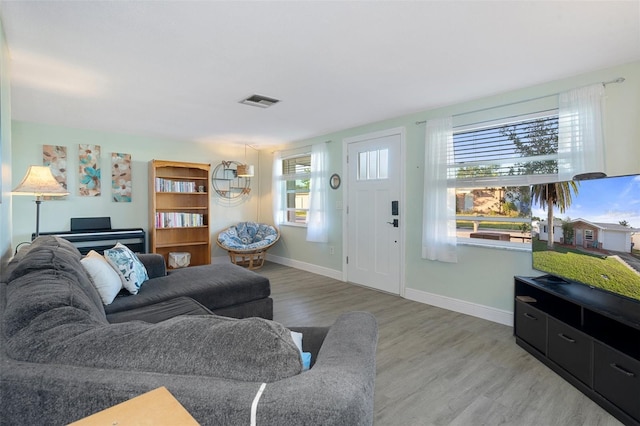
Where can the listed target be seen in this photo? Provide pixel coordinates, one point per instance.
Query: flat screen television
(596, 236)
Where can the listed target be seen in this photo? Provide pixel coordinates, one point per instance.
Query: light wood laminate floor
(437, 367)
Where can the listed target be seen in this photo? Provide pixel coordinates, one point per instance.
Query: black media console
(588, 336)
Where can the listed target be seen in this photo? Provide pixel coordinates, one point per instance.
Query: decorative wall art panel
(55, 156)
(120, 177)
(89, 170)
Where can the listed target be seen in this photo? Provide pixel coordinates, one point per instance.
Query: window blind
(521, 152)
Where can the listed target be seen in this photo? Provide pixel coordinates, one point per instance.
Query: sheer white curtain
(580, 131)
(277, 191)
(439, 201)
(317, 224)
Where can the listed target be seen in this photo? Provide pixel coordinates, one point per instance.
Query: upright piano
(96, 234)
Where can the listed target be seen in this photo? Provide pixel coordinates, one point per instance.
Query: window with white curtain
(296, 179)
(491, 167)
(300, 185)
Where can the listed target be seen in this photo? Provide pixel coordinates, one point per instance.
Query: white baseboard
(480, 311)
(320, 270)
(488, 313)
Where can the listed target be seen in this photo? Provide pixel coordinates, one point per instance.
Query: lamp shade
(245, 170)
(39, 181)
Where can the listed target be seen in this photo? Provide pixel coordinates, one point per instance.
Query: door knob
(394, 223)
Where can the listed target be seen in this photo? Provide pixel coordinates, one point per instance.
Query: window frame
(292, 177)
(498, 182)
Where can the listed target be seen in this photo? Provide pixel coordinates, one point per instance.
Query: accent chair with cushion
(248, 242)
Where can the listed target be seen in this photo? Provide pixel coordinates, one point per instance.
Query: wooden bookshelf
(179, 205)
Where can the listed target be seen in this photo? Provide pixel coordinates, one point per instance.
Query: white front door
(374, 208)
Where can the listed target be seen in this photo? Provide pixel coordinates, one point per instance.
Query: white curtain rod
(604, 83)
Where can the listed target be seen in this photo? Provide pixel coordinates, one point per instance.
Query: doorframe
(401, 131)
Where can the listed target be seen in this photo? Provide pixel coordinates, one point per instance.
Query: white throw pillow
(132, 272)
(104, 277)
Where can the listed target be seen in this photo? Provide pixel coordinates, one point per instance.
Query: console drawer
(617, 377)
(531, 326)
(571, 349)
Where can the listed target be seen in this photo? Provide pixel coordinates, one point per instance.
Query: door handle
(394, 223)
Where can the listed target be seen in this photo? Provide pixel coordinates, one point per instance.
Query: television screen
(595, 237)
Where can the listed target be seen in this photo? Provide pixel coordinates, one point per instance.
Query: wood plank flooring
(436, 367)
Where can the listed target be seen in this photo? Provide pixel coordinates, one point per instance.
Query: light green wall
(28, 139)
(5, 151)
(482, 275)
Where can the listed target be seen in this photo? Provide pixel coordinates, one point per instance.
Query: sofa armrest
(154, 263)
(342, 378)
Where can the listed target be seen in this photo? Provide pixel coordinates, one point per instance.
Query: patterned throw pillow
(105, 279)
(132, 272)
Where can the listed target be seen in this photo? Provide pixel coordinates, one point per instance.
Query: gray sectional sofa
(61, 359)
(224, 289)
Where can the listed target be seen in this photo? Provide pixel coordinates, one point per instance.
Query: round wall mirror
(226, 182)
(334, 181)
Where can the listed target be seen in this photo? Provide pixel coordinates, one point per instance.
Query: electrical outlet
(332, 250)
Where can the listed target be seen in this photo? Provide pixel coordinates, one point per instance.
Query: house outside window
(296, 173)
(492, 167)
(588, 234)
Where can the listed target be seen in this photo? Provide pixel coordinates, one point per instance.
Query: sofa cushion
(160, 311)
(153, 263)
(214, 286)
(132, 272)
(49, 277)
(252, 349)
(106, 280)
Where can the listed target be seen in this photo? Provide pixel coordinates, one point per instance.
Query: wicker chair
(248, 242)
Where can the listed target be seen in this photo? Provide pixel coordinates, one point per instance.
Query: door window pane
(373, 164)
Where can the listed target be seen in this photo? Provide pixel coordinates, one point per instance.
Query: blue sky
(608, 200)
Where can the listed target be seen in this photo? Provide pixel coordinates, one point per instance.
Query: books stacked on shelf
(167, 185)
(178, 220)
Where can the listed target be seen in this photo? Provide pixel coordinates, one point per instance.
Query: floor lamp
(39, 182)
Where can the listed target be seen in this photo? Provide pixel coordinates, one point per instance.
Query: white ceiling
(178, 69)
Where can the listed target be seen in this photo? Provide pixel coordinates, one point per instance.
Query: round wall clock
(334, 181)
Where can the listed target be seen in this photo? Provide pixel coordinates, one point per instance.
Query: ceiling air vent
(259, 101)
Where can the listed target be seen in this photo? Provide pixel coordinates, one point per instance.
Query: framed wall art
(55, 156)
(89, 170)
(120, 177)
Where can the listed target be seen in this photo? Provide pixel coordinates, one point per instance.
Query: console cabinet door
(571, 349)
(531, 326)
(617, 378)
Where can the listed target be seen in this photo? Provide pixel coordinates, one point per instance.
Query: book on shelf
(168, 185)
(178, 220)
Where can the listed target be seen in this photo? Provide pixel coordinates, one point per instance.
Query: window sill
(294, 225)
(499, 245)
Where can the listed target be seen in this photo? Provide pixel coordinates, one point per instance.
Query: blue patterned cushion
(132, 272)
(247, 236)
